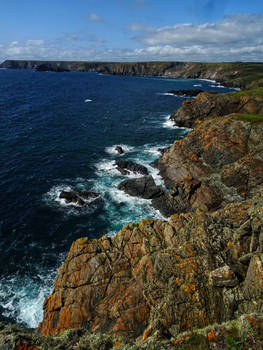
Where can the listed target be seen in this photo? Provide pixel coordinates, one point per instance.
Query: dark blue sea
(58, 132)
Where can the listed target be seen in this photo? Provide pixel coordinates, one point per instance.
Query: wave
(218, 86)
(112, 149)
(22, 297)
(199, 85)
(88, 100)
(51, 198)
(209, 80)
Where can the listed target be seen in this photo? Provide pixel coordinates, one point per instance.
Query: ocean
(58, 132)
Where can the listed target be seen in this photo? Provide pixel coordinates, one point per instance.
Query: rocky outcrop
(119, 149)
(78, 198)
(126, 167)
(243, 333)
(190, 93)
(219, 162)
(163, 278)
(208, 104)
(143, 187)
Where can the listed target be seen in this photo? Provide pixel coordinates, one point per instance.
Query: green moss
(252, 118)
(250, 93)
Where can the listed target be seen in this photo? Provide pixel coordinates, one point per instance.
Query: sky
(132, 30)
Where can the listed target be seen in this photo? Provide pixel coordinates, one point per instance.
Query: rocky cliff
(208, 105)
(194, 281)
(231, 74)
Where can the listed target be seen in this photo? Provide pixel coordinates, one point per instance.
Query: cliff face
(218, 162)
(203, 266)
(161, 277)
(208, 105)
(231, 74)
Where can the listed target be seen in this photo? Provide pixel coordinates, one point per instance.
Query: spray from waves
(51, 198)
(21, 298)
(112, 149)
(170, 124)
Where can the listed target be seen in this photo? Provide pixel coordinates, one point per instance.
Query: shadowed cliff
(236, 74)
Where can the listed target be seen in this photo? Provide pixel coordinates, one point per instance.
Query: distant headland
(234, 74)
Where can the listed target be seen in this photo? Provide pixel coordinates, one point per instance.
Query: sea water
(58, 132)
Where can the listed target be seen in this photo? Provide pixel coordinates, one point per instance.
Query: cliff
(194, 281)
(235, 74)
(208, 105)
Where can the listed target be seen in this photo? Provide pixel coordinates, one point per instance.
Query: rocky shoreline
(192, 282)
(231, 74)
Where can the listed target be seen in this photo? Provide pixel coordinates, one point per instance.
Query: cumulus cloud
(235, 29)
(235, 38)
(93, 17)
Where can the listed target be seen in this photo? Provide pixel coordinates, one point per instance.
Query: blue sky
(132, 30)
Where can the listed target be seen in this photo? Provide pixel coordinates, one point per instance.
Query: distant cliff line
(234, 74)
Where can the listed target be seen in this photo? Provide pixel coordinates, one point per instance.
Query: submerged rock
(143, 187)
(79, 198)
(190, 93)
(126, 167)
(119, 149)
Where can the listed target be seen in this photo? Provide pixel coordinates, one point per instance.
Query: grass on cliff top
(252, 118)
(251, 93)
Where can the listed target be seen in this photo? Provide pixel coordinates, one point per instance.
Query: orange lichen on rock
(211, 335)
(24, 346)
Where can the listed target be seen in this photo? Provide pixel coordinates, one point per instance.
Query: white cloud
(95, 18)
(235, 29)
(235, 38)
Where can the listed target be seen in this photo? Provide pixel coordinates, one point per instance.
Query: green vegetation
(252, 118)
(251, 93)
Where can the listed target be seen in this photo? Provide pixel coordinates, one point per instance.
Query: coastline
(139, 256)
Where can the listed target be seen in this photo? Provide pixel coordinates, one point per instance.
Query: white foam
(51, 198)
(106, 166)
(198, 85)
(112, 149)
(165, 94)
(209, 80)
(22, 298)
(217, 86)
(88, 100)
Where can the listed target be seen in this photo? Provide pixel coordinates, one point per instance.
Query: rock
(126, 167)
(143, 187)
(119, 149)
(47, 67)
(193, 92)
(218, 162)
(208, 105)
(79, 198)
(159, 276)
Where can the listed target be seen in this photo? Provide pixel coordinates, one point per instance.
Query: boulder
(143, 187)
(119, 149)
(126, 167)
(79, 198)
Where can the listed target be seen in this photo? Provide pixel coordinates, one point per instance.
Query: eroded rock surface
(166, 277)
(208, 105)
(218, 162)
(126, 167)
(143, 187)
